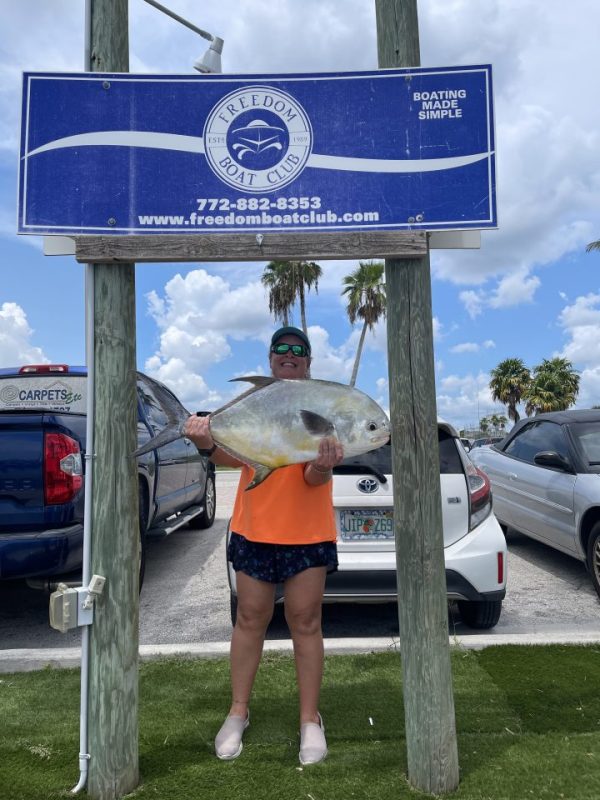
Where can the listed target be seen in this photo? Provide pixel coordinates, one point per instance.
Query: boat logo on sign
(257, 139)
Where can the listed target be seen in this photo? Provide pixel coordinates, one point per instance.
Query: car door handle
(513, 476)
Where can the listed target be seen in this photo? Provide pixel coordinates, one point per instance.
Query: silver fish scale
(265, 426)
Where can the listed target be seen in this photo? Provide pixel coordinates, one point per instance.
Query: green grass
(528, 721)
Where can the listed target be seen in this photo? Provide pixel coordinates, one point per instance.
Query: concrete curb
(27, 660)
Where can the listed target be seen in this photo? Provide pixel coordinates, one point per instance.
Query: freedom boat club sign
(406, 149)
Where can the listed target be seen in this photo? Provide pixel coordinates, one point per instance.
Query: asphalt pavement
(184, 606)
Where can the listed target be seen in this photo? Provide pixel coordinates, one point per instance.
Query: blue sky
(530, 292)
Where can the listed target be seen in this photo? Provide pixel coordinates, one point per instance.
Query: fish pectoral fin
(256, 380)
(316, 424)
(261, 473)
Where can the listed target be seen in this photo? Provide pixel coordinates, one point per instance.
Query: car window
(587, 437)
(380, 460)
(536, 437)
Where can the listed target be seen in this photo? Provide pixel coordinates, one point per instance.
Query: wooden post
(422, 605)
(113, 674)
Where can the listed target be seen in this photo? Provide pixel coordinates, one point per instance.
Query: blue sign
(403, 149)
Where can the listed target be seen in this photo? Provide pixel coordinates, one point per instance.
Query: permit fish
(281, 422)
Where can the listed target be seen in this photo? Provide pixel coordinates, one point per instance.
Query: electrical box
(63, 608)
(72, 607)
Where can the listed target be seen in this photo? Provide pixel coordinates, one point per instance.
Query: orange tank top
(284, 509)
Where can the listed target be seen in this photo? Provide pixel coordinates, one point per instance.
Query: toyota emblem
(368, 485)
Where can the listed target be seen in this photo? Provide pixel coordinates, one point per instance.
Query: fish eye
(372, 426)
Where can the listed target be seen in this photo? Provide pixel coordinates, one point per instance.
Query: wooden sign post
(113, 660)
(422, 604)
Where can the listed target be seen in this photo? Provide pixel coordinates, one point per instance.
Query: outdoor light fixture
(211, 60)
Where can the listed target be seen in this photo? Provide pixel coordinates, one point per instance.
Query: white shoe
(313, 747)
(228, 741)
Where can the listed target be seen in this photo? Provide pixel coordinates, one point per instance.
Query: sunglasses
(297, 349)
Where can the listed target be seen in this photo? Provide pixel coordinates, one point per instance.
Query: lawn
(528, 721)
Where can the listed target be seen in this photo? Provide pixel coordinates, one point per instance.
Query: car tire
(593, 556)
(480, 614)
(143, 519)
(233, 602)
(207, 517)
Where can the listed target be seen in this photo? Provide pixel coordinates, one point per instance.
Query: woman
(283, 531)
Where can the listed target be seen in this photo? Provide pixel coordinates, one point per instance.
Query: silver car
(545, 478)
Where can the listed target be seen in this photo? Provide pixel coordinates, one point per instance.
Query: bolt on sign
(401, 149)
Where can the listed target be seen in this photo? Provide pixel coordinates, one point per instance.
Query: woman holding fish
(286, 434)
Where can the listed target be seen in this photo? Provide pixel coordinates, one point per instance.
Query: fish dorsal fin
(259, 381)
(316, 424)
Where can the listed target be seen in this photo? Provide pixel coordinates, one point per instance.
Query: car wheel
(480, 613)
(207, 517)
(233, 601)
(593, 556)
(143, 518)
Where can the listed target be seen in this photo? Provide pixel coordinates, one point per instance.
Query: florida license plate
(361, 524)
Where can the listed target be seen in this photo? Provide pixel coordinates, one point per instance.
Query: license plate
(361, 524)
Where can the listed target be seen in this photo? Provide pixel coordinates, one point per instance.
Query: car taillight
(480, 495)
(63, 473)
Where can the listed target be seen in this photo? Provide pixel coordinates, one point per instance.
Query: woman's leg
(303, 601)
(254, 612)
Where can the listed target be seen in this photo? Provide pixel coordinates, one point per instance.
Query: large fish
(281, 422)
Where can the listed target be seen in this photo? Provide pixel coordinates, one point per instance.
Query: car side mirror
(550, 458)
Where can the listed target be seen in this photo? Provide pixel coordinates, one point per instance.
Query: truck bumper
(40, 554)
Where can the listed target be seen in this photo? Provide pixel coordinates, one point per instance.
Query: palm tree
(306, 274)
(365, 288)
(508, 383)
(277, 279)
(593, 246)
(286, 281)
(554, 386)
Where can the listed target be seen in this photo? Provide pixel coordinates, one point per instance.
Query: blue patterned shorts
(275, 563)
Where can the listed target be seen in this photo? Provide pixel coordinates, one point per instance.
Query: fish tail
(166, 436)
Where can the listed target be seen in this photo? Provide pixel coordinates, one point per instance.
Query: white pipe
(84, 756)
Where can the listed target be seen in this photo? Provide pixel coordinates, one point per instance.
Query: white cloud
(473, 302)
(512, 290)
(581, 322)
(15, 335)
(465, 347)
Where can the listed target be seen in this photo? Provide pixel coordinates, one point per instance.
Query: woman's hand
(198, 430)
(331, 452)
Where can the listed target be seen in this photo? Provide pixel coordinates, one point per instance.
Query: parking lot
(185, 598)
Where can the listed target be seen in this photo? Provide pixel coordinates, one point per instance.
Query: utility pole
(422, 605)
(113, 676)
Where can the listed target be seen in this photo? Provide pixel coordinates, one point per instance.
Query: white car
(475, 549)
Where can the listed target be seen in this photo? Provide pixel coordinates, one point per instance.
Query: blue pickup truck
(42, 447)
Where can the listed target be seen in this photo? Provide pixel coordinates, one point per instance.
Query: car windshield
(587, 437)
